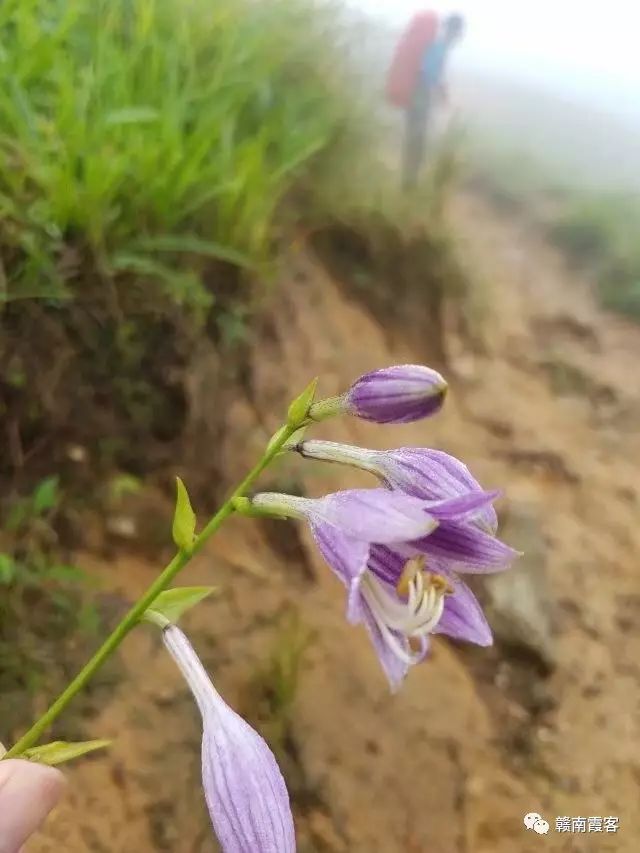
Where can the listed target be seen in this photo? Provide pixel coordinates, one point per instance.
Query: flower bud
(376, 515)
(395, 395)
(243, 787)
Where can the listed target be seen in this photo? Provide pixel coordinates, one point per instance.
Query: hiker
(415, 82)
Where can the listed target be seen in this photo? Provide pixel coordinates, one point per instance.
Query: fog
(576, 48)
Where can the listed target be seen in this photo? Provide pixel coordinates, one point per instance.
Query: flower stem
(132, 618)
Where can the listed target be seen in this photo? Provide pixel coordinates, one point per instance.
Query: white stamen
(415, 618)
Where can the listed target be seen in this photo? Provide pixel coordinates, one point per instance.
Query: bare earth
(547, 721)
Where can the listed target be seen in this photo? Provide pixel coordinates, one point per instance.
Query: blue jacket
(434, 62)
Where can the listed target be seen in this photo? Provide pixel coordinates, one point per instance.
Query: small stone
(520, 608)
(76, 453)
(122, 526)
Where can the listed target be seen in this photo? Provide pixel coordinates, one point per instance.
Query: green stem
(328, 408)
(133, 616)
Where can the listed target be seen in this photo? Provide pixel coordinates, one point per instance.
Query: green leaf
(7, 569)
(172, 603)
(276, 437)
(184, 520)
(182, 286)
(123, 484)
(295, 439)
(64, 574)
(299, 409)
(60, 751)
(131, 115)
(19, 514)
(46, 495)
(194, 245)
(141, 264)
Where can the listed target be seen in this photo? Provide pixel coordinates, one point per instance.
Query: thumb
(28, 792)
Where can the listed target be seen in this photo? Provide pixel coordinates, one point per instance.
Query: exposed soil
(548, 720)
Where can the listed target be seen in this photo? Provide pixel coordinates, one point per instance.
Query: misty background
(559, 82)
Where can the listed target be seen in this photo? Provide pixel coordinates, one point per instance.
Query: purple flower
(418, 471)
(243, 787)
(396, 395)
(400, 600)
(371, 515)
(367, 537)
(393, 395)
(459, 543)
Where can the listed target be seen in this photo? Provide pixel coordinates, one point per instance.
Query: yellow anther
(441, 585)
(411, 569)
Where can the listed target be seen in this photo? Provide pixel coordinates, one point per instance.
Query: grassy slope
(145, 132)
(149, 155)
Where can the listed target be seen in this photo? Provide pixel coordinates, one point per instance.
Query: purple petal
(398, 394)
(465, 507)
(386, 564)
(244, 789)
(463, 618)
(374, 515)
(395, 669)
(432, 475)
(348, 559)
(466, 548)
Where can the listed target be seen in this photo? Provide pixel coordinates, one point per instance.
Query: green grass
(602, 233)
(43, 610)
(144, 137)
(155, 157)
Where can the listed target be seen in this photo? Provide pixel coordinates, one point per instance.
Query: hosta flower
(401, 601)
(243, 787)
(418, 471)
(366, 536)
(463, 542)
(393, 395)
(372, 515)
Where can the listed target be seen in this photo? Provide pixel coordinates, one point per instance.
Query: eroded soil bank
(548, 720)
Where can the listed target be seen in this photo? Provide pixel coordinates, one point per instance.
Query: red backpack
(406, 64)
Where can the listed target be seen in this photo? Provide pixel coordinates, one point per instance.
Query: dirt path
(547, 721)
